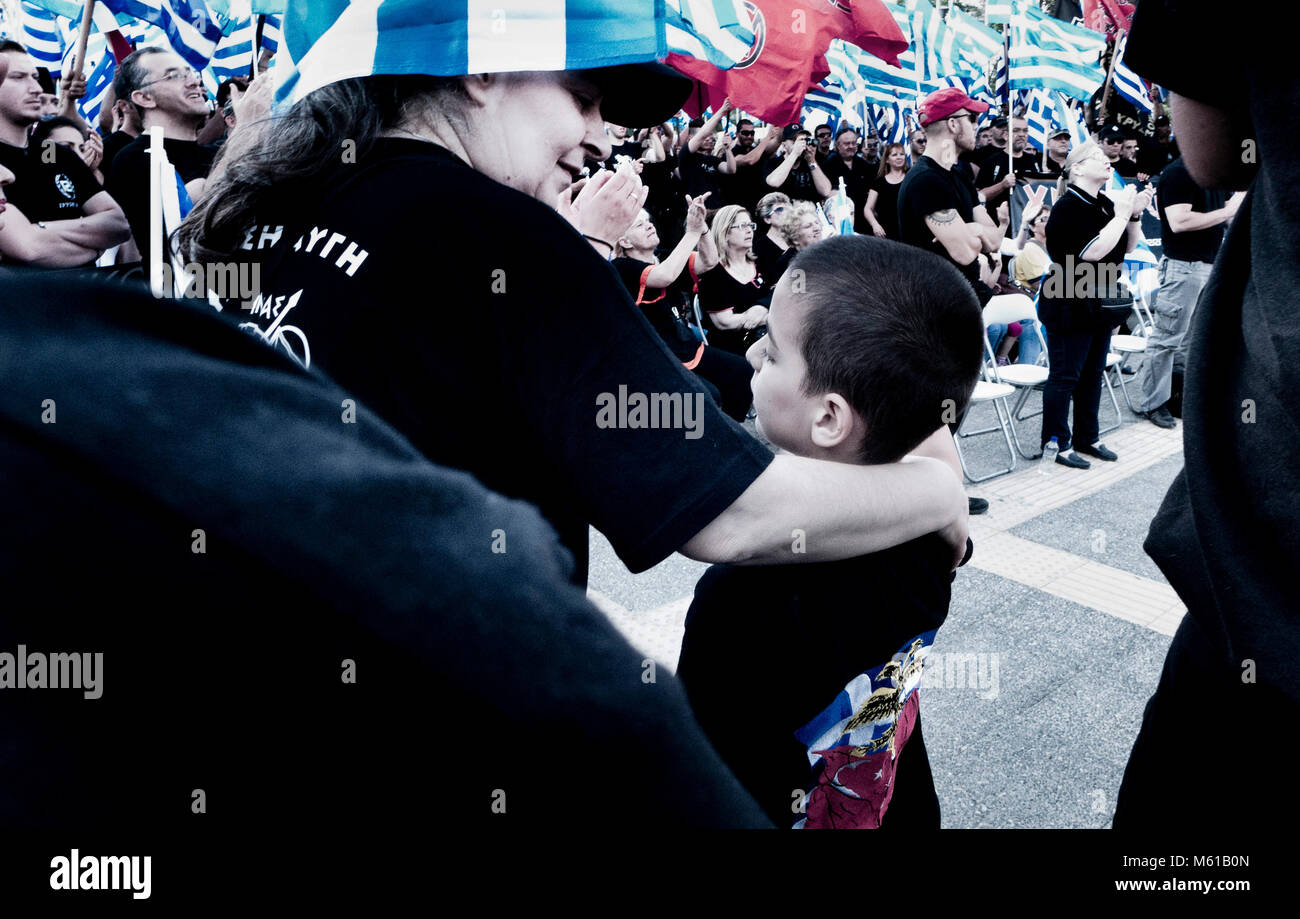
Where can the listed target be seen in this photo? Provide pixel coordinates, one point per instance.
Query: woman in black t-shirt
(882, 200)
(1087, 236)
(733, 293)
(803, 225)
(664, 290)
(770, 245)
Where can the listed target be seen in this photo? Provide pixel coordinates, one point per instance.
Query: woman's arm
(727, 319)
(869, 211)
(1107, 238)
(841, 510)
(707, 259)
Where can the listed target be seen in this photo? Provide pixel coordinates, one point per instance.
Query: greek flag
(326, 42)
(827, 97)
(1039, 114)
(234, 55)
(193, 29)
(70, 10)
(997, 11)
(974, 34)
(717, 31)
(1071, 119)
(44, 37)
(99, 68)
(881, 83)
(927, 36)
(1040, 57)
(900, 127)
(903, 18)
(1127, 83)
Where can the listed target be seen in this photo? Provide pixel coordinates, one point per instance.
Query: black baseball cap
(791, 131)
(1000, 121)
(640, 94)
(1059, 132)
(1111, 134)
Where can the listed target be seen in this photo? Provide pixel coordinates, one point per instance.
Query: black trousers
(1214, 753)
(1078, 360)
(726, 376)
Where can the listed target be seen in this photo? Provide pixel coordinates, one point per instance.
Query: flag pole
(87, 16)
(257, 46)
(1110, 80)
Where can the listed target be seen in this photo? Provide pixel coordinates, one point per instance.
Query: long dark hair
(296, 156)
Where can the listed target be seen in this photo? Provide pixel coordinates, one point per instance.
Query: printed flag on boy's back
(788, 57)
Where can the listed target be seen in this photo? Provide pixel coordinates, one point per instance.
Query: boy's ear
(835, 422)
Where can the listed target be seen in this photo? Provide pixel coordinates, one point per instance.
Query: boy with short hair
(805, 675)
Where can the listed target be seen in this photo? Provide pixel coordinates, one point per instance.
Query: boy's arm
(939, 445)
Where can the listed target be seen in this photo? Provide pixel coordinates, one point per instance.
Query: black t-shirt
(1126, 168)
(327, 547)
(1076, 219)
(775, 651)
(767, 254)
(929, 188)
(858, 178)
(665, 308)
(746, 186)
(128, 182)
(994, 170)
(48, 191)
(798, 186)
(629, 148)
(1154, 156)
(887, 204)
(720, 291)
(1228, 532)
(700, 173)
(1178, 187)
(114, 144)
(544, 332)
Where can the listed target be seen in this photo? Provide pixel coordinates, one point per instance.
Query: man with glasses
(746, 186)
(938, 208)
(60, 216)
(823, 137)
(165, 91)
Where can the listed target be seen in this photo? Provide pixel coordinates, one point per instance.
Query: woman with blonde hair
(733, 294)
(802, 226)
(1087, 236)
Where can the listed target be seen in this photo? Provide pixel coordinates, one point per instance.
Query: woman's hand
(1123, 199)
(255, 103)
(755, 316)
(606, 205)
(879, 231)
(1034, 206)
(92, 151)
(696, 213)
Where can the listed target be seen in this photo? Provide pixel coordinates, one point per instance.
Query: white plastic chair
(1005, 309)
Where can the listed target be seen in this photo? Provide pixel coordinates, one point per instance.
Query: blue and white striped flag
(927, 37)
(975, 34)
(234, 55)
(717, 31)
(1039, 115)
(1127, 83)
(881, 83)
(192, 28)
(827, 97)
(997, 11)
(99, 68)
(1071, 118)
(45, 37)
(901, 125)
(327, 42)
(1040, 57)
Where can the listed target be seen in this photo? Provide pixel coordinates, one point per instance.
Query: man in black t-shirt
(1227, 534)
(166, 92)
(796, 172)
(996, 177)
(1192, 222)
(822, 136)
(857, 175)
(871, 151)
(1158, 151)
(938, 209)
(60, 217)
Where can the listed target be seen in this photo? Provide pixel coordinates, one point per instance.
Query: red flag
(788, 56)
(1105, 16)
(121, 47)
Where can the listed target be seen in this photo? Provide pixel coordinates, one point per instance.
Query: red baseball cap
(941, 104)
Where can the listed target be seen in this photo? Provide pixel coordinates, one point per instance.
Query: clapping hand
(605, 205)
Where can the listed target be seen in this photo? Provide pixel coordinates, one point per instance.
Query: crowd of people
(492, 256)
